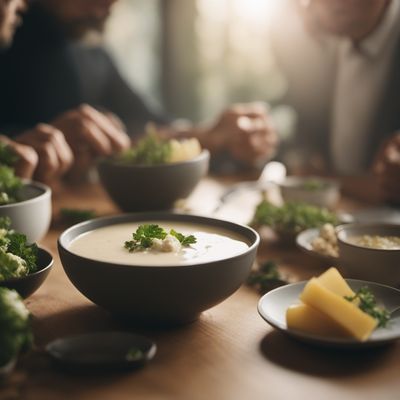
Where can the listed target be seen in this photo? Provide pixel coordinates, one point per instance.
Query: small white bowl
(325, 192)
(32, 215)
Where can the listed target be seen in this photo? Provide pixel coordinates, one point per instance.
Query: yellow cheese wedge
(332, 280)
(346, 314)
(307, 319)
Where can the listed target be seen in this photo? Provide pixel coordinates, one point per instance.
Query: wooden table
(229, 353)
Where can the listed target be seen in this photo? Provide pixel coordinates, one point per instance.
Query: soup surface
(107, 244)
(377, 242)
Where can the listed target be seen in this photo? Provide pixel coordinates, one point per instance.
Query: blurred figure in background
(342, 61)
(43, 151)
(68, 67)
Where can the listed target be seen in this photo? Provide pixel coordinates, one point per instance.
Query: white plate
(273, 305)
(304, 240)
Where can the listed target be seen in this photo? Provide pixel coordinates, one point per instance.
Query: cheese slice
(308, 319)
(346, 314)
(332, 280)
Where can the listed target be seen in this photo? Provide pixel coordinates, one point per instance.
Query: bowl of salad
(23, 266)
(317, 191)
(26, 203)
(154, 174)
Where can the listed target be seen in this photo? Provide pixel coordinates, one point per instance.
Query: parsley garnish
(266, 277)
(367, 303)
(145, 234)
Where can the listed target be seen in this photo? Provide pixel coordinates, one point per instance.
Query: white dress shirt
(361, 75)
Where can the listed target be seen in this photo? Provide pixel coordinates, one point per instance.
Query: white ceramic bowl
(32, 215)
(320, 192)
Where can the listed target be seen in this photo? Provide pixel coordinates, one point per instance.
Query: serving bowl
(158, 294)
(151, 187)
(27, 285)
(321, 192)
(377, 265)
(32, 215)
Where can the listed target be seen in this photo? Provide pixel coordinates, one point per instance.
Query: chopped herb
(75, 215)
(145, 234)
(292, 218)
(367, 303)
(266, 277)
(184, 240)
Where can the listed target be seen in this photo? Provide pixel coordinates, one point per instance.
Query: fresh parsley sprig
(145, 234)
(367, 303)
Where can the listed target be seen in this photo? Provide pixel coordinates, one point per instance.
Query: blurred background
(191, 58)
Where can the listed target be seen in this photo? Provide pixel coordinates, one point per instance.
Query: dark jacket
(44, 74)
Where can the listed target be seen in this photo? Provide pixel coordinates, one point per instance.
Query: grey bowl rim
(155, 215)
(46, 192)
(38, 272)
(203, 156)
(340, 228)
(332, 183)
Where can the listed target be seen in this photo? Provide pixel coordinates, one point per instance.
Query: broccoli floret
(15, 331)
(9, 185)
(12, 266)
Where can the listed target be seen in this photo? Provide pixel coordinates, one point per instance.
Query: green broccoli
(17, 258)
(15, 331)
(12, 266)
(9, 185)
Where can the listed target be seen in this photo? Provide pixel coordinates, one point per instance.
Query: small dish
(102, 351)
(27, 285)
(31, 215)
(304, 240)
(272, 308)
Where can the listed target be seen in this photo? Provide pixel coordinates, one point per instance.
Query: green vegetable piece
(367, 303)
(7, 155)
(292, 218)
(17, 257)
(9, 185)
(15, 330)
(151, 150)
(145, 234)
(266, 277)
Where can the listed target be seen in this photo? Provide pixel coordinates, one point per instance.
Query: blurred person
(342, 61)
(66, 70)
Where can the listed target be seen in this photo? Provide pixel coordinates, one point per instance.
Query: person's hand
(91, 133)
(53, 153)
(387, 169)
(245, 131)
(27, 157)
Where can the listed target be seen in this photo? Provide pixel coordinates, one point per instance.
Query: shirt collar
(385, 33)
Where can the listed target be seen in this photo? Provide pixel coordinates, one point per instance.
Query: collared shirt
(362, 72)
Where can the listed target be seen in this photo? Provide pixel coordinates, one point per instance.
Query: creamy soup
(107, 244)
(377, 242)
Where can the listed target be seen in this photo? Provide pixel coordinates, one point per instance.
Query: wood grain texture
(229, 353)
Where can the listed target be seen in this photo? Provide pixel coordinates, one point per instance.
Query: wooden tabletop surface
(229, 353)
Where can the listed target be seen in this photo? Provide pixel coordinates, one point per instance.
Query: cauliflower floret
(168, 245)
(185, 149)
(12, 266)
(326, 242)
